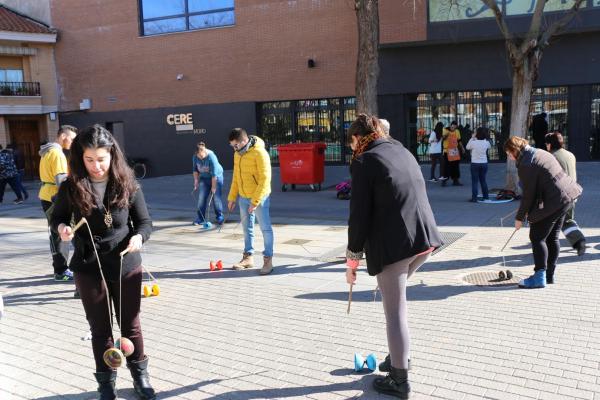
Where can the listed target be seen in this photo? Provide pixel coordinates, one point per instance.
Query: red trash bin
(302, 164)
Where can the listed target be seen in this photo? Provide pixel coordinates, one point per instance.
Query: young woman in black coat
(392, 222)
(548, 193)
(101, 188)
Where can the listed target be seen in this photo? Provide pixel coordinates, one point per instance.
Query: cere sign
(455, 10)
(184, 123)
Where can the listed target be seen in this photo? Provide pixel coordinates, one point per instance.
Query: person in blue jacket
(208, 178)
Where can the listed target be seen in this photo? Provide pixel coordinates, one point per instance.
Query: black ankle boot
(141, 379)
(106, 385)
(387, 364)
(580, 246)
(394, 384)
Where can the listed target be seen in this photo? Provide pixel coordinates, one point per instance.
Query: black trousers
(452, 168)
(93, 297)
(544, 236)
(435, 159)
(14, 185)
(59, 263)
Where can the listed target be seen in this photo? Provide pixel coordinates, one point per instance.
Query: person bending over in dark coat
(548, 193)
(102, 188)
(392, 222)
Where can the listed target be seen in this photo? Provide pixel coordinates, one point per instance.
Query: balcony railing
(19, 89)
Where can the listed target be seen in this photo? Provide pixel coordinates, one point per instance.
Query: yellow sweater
(251, 173)
(53, 163)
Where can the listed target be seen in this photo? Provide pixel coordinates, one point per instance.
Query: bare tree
(524, 55)
(367, 64)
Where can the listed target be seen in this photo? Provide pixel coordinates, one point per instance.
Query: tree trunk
(519, 114)
(367, 65)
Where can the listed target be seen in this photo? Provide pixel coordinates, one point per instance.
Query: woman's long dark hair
(439, 130)
(121, 184)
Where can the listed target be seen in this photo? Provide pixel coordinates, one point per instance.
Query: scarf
(364, 142)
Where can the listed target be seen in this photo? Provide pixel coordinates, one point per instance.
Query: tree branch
(499, 18)
(559, 25)
(534, 28)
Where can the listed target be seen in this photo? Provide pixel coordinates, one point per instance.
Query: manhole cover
(297, 241)
(489, 278)
(234, 236)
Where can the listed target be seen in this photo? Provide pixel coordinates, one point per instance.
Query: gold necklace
(108, 220)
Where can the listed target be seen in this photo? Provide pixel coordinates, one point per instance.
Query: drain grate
(448, 238)
(489, 278)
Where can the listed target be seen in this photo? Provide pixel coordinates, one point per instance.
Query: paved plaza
(238, 335)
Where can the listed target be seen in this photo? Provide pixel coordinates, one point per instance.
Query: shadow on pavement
(420, 292)
(37, 298)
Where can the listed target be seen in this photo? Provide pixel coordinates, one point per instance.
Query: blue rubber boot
(535, 281)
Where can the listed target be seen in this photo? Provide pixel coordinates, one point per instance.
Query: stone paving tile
(230, 335)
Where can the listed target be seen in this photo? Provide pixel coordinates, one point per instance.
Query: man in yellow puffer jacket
(251, 185)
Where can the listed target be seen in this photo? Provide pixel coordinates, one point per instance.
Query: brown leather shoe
(247, 261)
(267, 266)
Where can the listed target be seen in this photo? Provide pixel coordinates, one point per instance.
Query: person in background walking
(251, 187)
(548, 192)
(452, 149)
(435, 150)
(539, 129)
(53, 172)
(392, 222)
(208, 177)
(20, 163)
(9, 174)
(479, 145)
(568, 162)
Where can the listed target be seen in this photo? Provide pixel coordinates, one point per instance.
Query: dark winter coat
(546, 186)
(109, 242)
(390, 215)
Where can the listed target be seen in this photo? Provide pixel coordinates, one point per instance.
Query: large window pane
(162, 8)
(14, 75)
(214, 19)
(208, 5)
(164, 26)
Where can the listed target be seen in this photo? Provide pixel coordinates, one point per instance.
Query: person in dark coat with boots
(102, 188)
(548, 193)
(391, 221)
(539, 129)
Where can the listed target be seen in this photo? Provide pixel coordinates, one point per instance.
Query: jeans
(264, 220)
(204, 186)
(13, 182)
(20, 185)
(93, 297)
(59, 262)
(544, 240)
(478, 173)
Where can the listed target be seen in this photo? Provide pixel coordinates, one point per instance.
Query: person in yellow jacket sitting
(251, 188)
(53, 171)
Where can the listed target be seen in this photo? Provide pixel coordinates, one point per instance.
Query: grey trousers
(392, 284)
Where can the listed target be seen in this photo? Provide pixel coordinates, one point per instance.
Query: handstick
(124, 252)
(79, 224)
(349, 299)
(511, 236)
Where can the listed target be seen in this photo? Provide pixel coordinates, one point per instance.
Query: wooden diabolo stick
(79, 224)
(511, 236)
(349, 299)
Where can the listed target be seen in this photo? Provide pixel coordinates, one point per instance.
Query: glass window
(11, 75)
(164, 26)
(163, 16)
(162, 8)
(595, 131)
(212, 20)
(553, 101)
(209, 5)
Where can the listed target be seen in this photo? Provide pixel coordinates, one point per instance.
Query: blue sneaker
(220, 220)
(535, 281)
(198, 221)
(66, 276)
